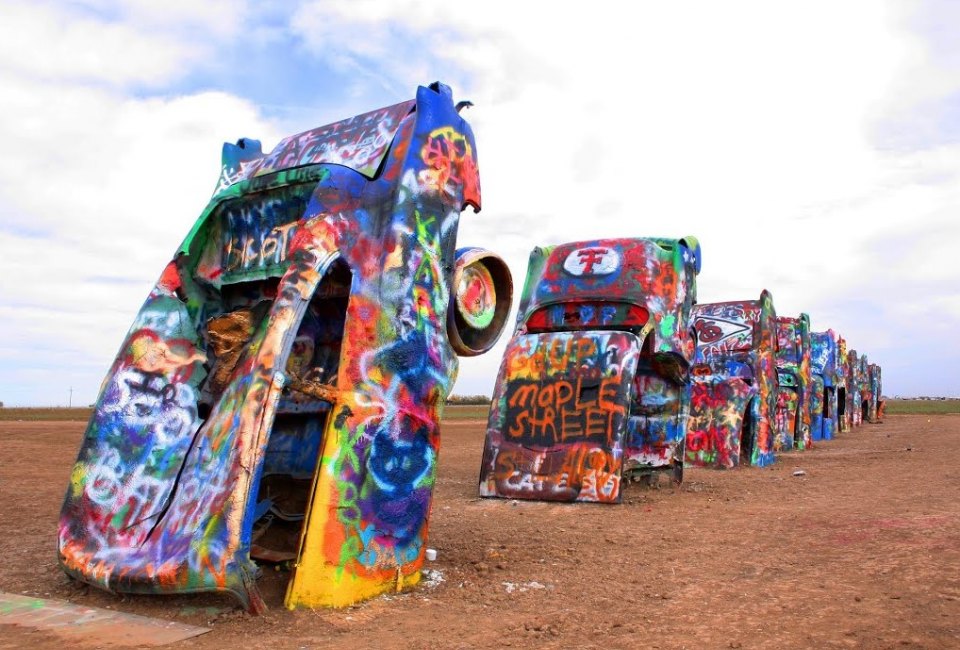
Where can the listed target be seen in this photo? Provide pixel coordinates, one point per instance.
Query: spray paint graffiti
(716, 420)
(823, 367)
(794, 400)
(594, 384)
(859, 391)
(867, 405)
(734, 397)
(844, 422)
(360, 142)
(876, 393)
(307, 327)
(560, 429)
(854, 394)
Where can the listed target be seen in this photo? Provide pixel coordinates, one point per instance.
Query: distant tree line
(468, 399)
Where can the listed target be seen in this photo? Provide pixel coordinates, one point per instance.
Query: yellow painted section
(318, 578)
(78, 478)
(326, 586)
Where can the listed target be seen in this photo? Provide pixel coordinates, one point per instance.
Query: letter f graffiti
(589, 257)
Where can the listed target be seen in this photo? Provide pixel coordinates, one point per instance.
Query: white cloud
(210, 18)
(97, 189)
(52, 42)
(796, 140)
(752, 125)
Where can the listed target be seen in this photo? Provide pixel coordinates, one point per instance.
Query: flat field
(860, 551)
(922, 407)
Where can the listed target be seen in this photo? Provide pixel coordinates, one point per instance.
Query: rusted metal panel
(91, 625)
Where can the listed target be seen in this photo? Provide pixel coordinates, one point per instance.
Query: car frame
(279, 393)
(594, 386)
(854, 389)
(877, 404)
(734, 393)
(824, 421)
(844, 418)
(793, 369)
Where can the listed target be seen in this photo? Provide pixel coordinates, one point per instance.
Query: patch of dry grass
(922, 407)
(466, 412)
(46, 413)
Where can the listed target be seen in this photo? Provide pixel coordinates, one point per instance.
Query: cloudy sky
(813, 148)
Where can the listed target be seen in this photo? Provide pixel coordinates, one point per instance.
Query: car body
(823, 368)
(868, 405)
(594, 386)
(734, 393)
(854, 389)
(793, 370)
(278, 395)
(876, 392)
(844, 419)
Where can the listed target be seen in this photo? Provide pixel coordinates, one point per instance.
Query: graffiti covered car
(594, 385)
(823, 370)
(793, 371)
(844, 420)
(876, 394)
(734, 393)
(277, 397)
(854, 389)
(867, 405)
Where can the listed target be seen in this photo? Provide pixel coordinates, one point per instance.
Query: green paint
(120, 516)
(668, 325)
(19, 604)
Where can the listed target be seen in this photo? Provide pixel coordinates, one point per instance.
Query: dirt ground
(863, 551)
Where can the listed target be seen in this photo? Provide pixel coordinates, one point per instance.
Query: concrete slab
(104, 627)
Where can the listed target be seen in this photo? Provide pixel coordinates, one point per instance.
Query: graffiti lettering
(563, 412)
(592, 261)
(580, 471)
(560, 356)
(450, 164)
(246, 251)
(259, 235)
(590, 257)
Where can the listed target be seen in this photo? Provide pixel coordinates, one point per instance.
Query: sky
(813, 148)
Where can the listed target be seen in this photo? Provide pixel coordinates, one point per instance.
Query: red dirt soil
(862, 551)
